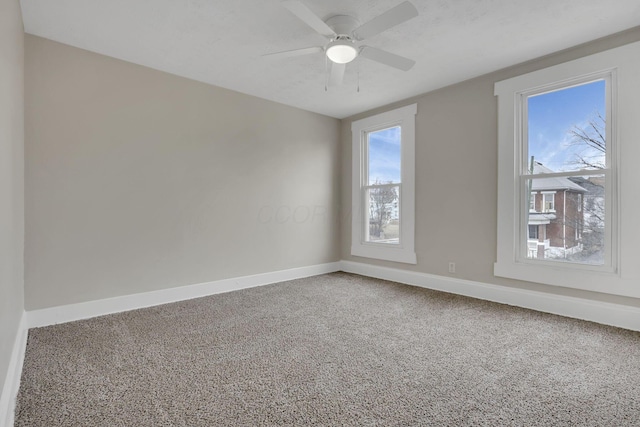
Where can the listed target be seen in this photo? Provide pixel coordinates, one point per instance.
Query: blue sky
(384, 155)
(552, 115)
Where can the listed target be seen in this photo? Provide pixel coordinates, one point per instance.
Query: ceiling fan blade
(392, 17)
(308, 17)
(337, 74)
(295, 52)
(387, 58)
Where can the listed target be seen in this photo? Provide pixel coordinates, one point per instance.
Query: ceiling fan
(344, 34)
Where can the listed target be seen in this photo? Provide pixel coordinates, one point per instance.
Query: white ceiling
(221, 42)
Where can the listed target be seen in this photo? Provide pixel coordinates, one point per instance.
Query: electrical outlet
(452, 267)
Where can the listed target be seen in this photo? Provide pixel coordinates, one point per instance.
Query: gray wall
(11, 178)
(137, 180)
(456, 176)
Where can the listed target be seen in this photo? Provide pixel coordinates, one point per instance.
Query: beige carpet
(332, 350)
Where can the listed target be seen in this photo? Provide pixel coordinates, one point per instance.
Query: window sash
(366, 152)
(365, 224)
(522, 235)
(522, 114)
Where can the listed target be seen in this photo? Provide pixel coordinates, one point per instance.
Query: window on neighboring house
(383, 186)
(558, 133)
(532, 202)
(579, 202)
(548, 202)
(533, 232)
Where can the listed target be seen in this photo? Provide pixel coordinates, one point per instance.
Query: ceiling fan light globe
(341, 53)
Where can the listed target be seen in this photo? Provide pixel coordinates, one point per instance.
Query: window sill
(386, 253)
(583, 277)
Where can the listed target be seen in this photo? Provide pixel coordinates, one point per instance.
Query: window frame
(404, 251)
(622, 64)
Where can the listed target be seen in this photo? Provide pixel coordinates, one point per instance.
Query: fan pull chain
(358, 74)
(326, 73)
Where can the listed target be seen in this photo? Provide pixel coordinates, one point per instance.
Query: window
(533, 232)
(532, 202)
(548, 202)
(564, 143)
(383, 186)
(579, 202)
(383, 183)
(559, 136)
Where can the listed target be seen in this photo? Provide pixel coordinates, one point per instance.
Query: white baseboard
(618, 315)
(14, 372)
(601, 312)
(85, 310)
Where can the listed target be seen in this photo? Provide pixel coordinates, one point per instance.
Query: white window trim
(403, 252)
(621, 275)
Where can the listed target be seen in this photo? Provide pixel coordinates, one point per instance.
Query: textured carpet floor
(331, 350)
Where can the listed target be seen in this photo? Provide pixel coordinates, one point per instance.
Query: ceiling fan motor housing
(342, 48)
(343, 25)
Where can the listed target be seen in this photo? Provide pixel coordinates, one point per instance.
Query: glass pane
(384, 214)
(384, 156)
(574, 230)
(567, 129)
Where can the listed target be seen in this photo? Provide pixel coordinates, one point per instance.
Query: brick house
(556, 216)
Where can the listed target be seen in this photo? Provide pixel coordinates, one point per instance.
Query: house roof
(593, 186)
(554, 183)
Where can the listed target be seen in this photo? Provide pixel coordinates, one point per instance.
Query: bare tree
(593, 236)
(381, 203)
(592, 143)
(592, 138)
